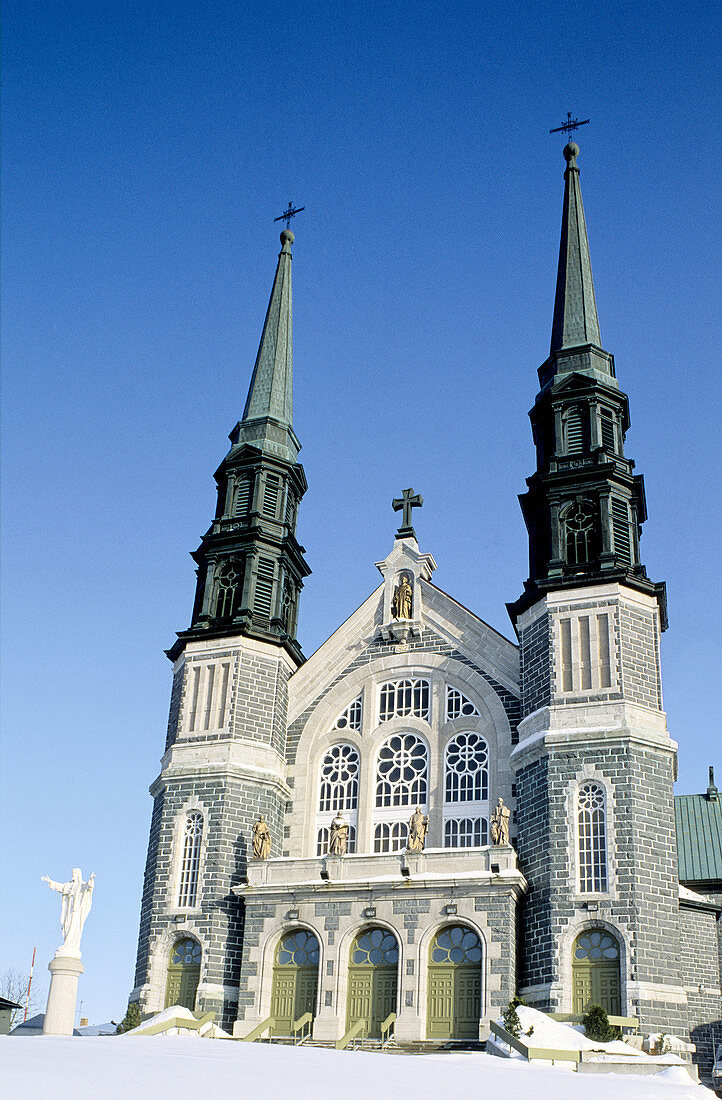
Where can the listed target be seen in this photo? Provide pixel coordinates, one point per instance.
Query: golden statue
(401, 605)
(261, 839)
(417, 831)
(500, 823)
(338, 841)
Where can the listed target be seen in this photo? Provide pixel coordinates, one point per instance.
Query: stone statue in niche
(500, 823)
(261, 839)
(338, 840)
(77, 898)
(402, 602)
(417, 831)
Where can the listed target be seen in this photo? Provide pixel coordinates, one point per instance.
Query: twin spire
(268, 416)
(575, 308)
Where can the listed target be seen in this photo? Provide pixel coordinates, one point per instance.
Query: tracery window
(458, 705)
(404, 698)
(228, 590)
(457, 945)
(592, 838)
(596, 945)
(466, 832)
(390, 836)
(191, 860)
(377, 947)
(298, 948)
(339, 779)
(401, 771)
(580, 532)
(351, 717)
(467, 772)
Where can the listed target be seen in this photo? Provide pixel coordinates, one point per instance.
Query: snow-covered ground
(165, 1068)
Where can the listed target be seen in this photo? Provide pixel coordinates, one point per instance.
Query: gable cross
(408, 500)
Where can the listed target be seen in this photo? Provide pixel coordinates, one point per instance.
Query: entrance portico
(407, 901)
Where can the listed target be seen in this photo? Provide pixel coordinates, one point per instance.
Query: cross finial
(570, 125)
(288, 214)
(407, 501)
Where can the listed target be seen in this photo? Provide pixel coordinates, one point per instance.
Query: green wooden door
(454, 991)
(295, 979)
(184, 972)
(595, 972)
(372, 980)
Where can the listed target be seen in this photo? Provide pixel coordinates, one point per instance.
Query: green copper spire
(575, 309)
(576, 345)
(268, 415)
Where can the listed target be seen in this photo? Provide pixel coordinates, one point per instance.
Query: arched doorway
(295, 979)
(372, 979)
(184, 971)
(595, 972)
(454, 994)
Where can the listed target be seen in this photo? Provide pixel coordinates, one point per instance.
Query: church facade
(423, 818)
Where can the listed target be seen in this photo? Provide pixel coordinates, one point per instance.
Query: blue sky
(148, 147)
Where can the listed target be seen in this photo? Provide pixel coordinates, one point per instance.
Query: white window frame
(193, 805)
(349, 813)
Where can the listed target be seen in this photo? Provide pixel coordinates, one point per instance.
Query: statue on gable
(77, 897)
(418, 826)
(500, 819)
(338, 840)
(261, 839)
(402, 602)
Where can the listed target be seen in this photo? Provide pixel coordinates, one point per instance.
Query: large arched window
(466, 791)
(338, 792)
(401, 785)
(592, 838)
(191, 860)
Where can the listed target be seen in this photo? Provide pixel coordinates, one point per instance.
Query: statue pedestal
(60, 1013)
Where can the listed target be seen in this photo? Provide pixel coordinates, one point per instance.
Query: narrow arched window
(228, 590)
(401, 773)
(575, 425)
(592, 838)
(190, 866)
(467, 773)
(580, 531)
(339, 779)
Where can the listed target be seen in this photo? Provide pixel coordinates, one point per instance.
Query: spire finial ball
(571, 151)
(287, 237)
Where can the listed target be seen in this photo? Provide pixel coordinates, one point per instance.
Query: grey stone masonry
(640, 906)
(175, 706)
(229, 808)
(535, 665)
(701, 976)
(639, 648)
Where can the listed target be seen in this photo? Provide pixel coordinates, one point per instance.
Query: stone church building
(415, 706)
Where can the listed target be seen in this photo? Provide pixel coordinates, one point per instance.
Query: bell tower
(595, 763)
(224, 762)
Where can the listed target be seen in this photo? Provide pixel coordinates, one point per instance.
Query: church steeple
(585, 507)
(250, 565)
(575, 308)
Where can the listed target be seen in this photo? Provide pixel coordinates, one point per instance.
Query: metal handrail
(388, 1026)
(304, 1024)
(547, 1054)
(351, 1034)
(265, 1025)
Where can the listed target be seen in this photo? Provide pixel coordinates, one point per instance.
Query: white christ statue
(77, 898)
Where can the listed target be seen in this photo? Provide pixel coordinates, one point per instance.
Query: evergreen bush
(597, 1026)
(512, 1023)
(130, 1020)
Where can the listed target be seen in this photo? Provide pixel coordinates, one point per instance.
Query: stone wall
(701, 976)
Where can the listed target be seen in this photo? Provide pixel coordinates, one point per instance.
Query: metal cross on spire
(407, 501)
(570, 125)
(288, 214)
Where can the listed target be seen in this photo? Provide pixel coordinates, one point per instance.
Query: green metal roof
(699, 837)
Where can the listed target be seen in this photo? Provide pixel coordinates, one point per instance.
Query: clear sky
(148, 147)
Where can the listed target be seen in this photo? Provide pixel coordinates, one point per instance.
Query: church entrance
(454, 994)
(295, 979)
(372, 980)
(184, 972)
(595, 972)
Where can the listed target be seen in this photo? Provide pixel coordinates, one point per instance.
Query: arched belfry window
(575, 428)
(338, 793)
(592, 838)
(228, 590)
(580, 532)
(191, 860)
